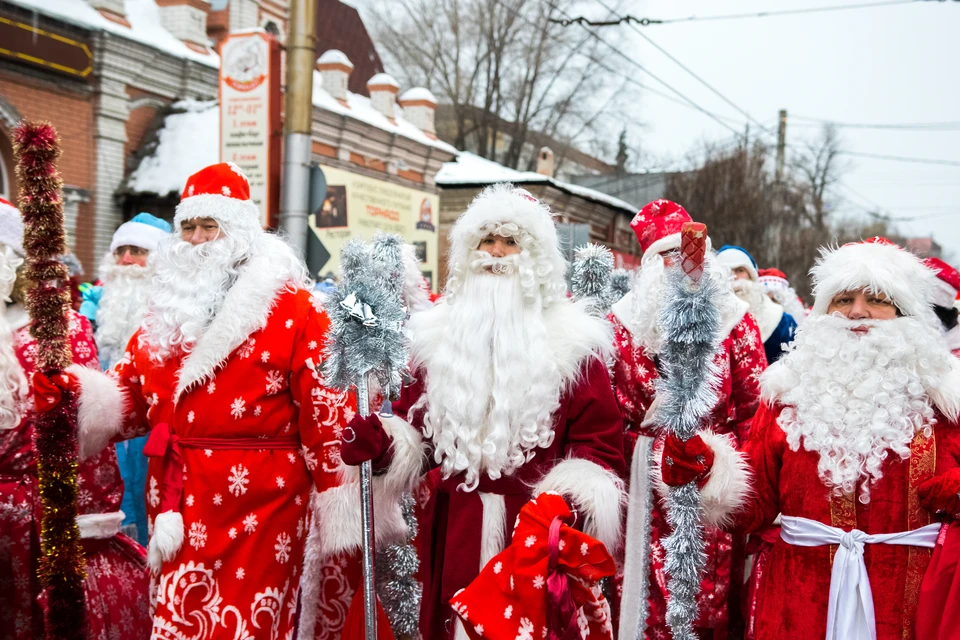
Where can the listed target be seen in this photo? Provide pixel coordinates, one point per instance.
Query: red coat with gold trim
(252, 375)
(740, 359)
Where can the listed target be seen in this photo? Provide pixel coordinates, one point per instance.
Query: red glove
(940, 493)
(364, 439)
(48, 392)
(684, 462)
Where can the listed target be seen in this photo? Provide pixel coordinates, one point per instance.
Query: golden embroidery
(923, 463)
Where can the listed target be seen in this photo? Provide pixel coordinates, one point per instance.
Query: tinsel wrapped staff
(590, 276)
(366, 340)
(691, 323)
(619, 285)
(61, 565)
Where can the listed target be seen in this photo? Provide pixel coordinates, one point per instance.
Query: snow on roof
(187, 142)
(143, 16)
(334, 56)
(360, 108)
(383, 78)
(418, 93)
(471, 169)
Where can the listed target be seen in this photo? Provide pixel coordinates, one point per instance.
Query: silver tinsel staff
(619, 285)
(366, 339)
(691, 322)
(590, 276)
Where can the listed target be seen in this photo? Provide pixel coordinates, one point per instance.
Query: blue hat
(732, 256)
(144, 231)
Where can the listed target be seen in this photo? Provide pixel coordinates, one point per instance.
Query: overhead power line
(918, 126)
(881, 156)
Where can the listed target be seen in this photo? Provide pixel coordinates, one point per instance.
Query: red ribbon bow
(48, 392)
(163, 443)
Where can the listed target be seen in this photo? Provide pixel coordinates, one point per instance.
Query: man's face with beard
(862, 305)
(199, 230)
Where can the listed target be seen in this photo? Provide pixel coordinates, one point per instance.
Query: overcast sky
(888, 65)
(882, 65)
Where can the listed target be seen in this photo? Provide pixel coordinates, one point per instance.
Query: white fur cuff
(337, 518)
(597, 493)
(101, 407)
(166, 540)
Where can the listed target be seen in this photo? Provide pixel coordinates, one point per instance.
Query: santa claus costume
(777, 287)
(740, 360)
(511, 399)
(945, 300)
(857, 445)
(117, 584)
(224, 375)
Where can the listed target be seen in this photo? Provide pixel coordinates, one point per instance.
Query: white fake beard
(750, 292)
(190, 286)
(13, 381)
(492, 385)
(123, 304)
(860, 398)
(791, 303)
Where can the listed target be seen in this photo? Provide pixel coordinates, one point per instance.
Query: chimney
(545, 162)
(383, 94)
(186, 20)
(335, 68)
(111, 9)
(419, 108)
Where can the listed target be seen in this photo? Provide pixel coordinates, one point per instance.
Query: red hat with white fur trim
(773, 280)
(657, 226)
(220, 191)
(877, 265)
(948, 285)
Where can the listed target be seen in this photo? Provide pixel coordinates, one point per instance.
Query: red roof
(339, 26)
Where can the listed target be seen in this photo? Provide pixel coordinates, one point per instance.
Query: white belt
(100, 525)
(850, 615)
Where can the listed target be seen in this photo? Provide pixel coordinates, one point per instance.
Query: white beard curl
(123, 304)
(493, 382)
(190, 286)
(650, 294)
(750, 292)
(858, 399)
(13, 381)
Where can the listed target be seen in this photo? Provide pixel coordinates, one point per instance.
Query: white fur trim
(597, 493)
(944, 295)
(883, 268)
(246, 309)
(728, 486)
(137, 234)
(634, 607)
(493, 528)
(946, 396)
(166, 540)
(223, 209)
(99, 526)
(953, 338)
(575, 335)
(406, 464)
(776, 380)
(768, 317)
(734, 257)
(101, 408)
(337, 517)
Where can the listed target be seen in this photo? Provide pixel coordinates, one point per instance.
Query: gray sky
(895, 64)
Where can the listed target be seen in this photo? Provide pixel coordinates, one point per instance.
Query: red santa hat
(11, 227)
(877, 265)
(948, 282)
(222, 192)
(773, 280)
(657, 227)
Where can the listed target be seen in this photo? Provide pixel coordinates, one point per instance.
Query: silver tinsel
(691, 323)
(619, 284)
(400, 592)
(590, 276)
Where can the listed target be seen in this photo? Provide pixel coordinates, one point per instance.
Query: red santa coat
(740, 360)
(117, 583)
(251, 377)
(793, 597)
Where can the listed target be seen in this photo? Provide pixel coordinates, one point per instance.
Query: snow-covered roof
(334, 56)
(360, 108)
(383, 79)
(471, 169)
(188, 141)
(143, 16)
(418, 94)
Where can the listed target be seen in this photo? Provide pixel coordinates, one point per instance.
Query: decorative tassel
(62, 569)
(619, 285)
(590, 277)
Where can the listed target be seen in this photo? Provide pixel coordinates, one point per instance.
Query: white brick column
(110, 136)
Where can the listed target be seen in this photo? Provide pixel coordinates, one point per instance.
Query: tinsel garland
(590, 276)
(690, 321)
(397, 565)
(62, 569)
(619, 284)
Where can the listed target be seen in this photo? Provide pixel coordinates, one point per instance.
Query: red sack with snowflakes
(544, 585)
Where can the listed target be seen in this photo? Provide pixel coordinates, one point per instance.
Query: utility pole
(781, 146)
(298, 123)
(778, 187)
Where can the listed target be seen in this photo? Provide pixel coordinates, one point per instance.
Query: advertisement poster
(357, 206)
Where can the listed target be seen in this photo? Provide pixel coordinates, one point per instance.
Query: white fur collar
(245, 310)
(778, 379)
(768, 317)
(623, 311)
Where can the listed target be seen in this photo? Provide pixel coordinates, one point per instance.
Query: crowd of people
(217, 486)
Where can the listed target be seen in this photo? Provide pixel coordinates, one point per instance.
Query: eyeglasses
(136, 252)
